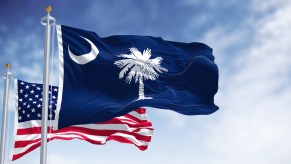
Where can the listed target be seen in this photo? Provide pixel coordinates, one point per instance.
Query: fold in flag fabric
(133, 128)
(101, 78)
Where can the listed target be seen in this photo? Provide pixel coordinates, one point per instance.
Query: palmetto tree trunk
(141, 88)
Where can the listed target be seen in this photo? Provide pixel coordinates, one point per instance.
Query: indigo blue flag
(102, 78)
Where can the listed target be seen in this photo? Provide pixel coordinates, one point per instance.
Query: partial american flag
(133, 128)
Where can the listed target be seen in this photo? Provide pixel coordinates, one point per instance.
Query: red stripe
(23, 143)
(143, 123)
(33, 130)
(141, 110)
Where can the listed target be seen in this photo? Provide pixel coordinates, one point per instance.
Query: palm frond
(128, 56)
(156, 61)
(125, 69)
(152, 74)
(148, 72)
(135, 52)
(123, 62)
(146, 54)
(133, 73)
(130, 76)
(159, 68)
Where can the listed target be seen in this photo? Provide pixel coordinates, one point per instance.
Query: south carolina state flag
(102, 78)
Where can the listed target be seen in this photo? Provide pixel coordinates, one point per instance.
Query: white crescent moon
(85, 58)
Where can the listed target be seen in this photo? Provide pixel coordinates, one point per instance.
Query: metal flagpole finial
(48, 8)
(48, 20)
(8, 74)
(7, 66)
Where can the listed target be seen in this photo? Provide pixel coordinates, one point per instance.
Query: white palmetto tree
(139, 67)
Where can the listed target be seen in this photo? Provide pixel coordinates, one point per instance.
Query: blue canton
(30, 101)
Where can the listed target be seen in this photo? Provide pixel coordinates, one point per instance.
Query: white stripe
(145, 132)
(106, 127)
(129, 120)
(31, 124)
(27, 137)
(138, 116)
(61, 76)
(132, 138)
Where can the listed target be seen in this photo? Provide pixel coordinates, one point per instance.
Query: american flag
(133, 128)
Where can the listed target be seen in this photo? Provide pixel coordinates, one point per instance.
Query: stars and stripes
(133, 128)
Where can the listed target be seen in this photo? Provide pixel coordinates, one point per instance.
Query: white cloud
(177, 120)
(255, 120)
(32, 71)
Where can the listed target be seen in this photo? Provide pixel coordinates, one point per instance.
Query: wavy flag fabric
(101, 78)
(132, 128)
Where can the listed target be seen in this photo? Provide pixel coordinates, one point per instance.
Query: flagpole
(47, 21)
(7, 78)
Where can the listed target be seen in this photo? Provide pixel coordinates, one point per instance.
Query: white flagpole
(7, 78)
(48, 22)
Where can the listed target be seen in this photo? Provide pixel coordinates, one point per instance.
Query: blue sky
(251, 42)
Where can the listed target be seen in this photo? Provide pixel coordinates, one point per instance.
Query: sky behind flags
(250, 50)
